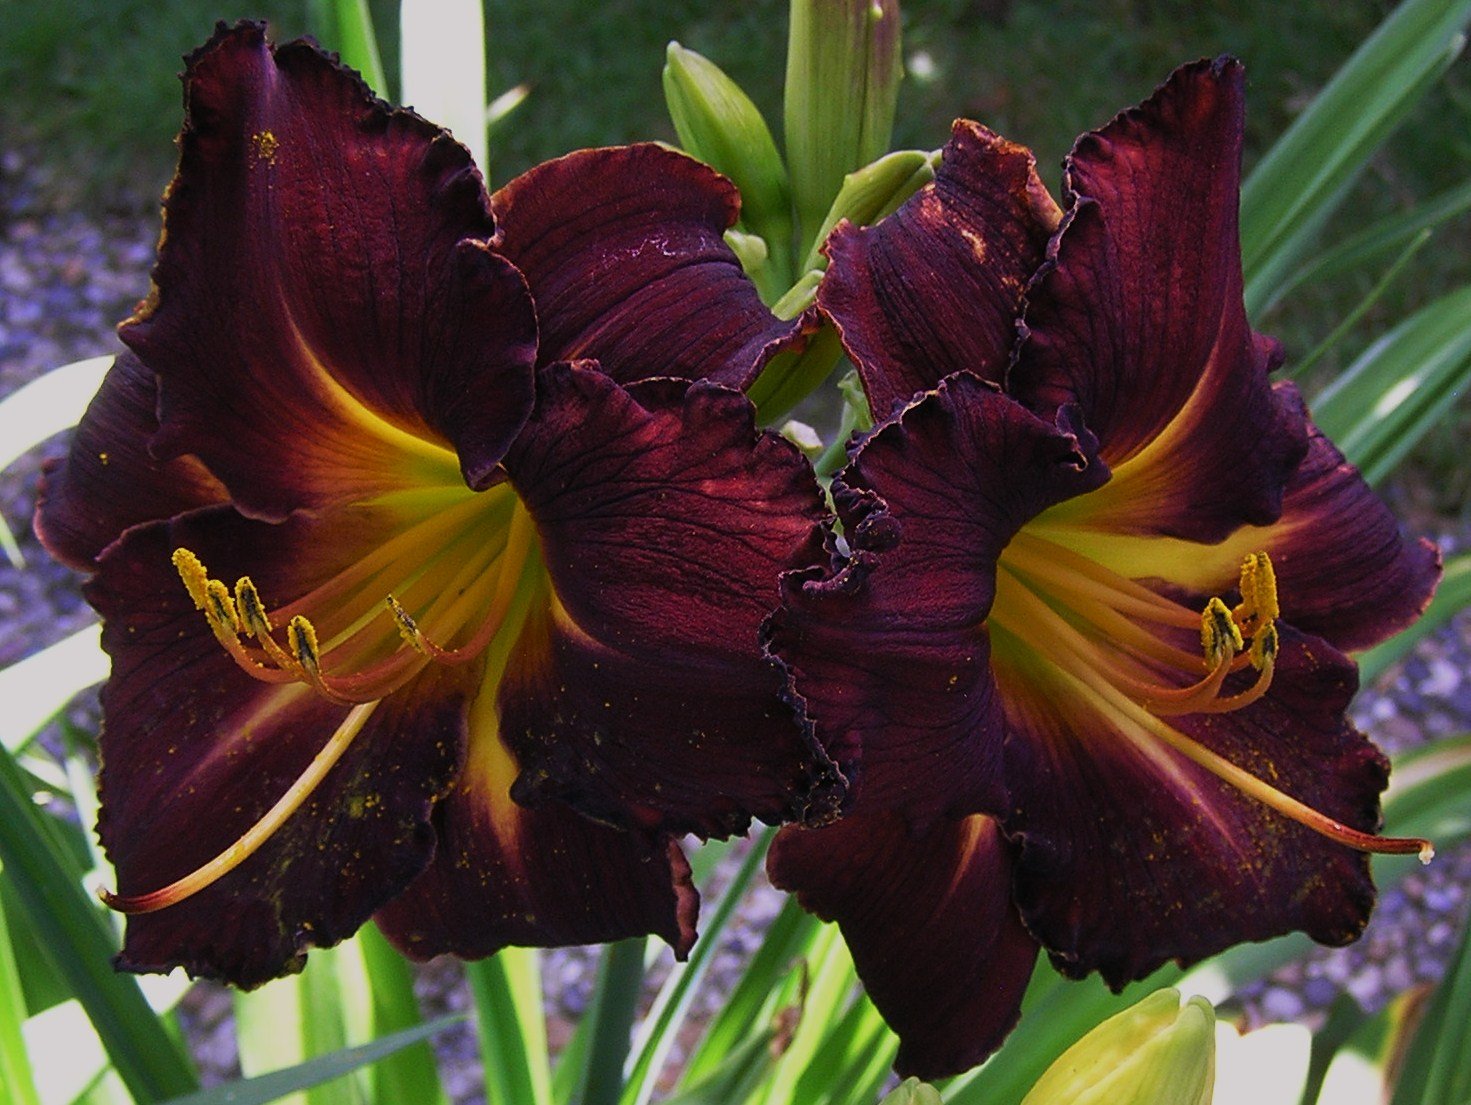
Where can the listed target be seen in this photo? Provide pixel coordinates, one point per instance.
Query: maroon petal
(327, 321)
(665, 520)
(547, 877)
(1345, 570)
(1138, 318)
(625, 254)
(196, 751)
(937, 286)
(886, 656)
(1132, 855)
(108, 481)
(930, 922)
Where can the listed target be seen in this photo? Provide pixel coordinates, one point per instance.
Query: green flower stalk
(843, 73)
(717, 123)
(1156, 1052)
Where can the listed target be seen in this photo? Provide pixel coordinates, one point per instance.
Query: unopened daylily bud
(912, 1092)
(870, 193)
(718, 123)
(1156, 1052)
(843, 72)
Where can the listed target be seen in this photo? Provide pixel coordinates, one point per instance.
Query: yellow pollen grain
(266, 145)
(194, 575)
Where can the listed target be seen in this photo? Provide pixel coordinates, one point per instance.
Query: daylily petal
(108, 481)
(1131, 855)
(886, 656)
(1138, 319)
(929, 920)
(936, 287)
(327, 320)
(196, 751)
(665, 520)
(625, 254)
(1345, 570)
(504, 874)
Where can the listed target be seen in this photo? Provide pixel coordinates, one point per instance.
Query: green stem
(613, 1011)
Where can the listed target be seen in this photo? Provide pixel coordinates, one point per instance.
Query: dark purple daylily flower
(474, 531)
(1084, 663)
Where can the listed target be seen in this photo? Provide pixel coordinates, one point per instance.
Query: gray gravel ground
(66, 278)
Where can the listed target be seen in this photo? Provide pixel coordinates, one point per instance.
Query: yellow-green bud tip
(1156, 1052)
(912, 1092)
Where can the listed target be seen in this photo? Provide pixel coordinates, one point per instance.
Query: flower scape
(448, 580)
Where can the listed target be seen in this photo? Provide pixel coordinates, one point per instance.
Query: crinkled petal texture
(886, 654)
(936, 287)
(326, 311)
(665, 520)
(625, 255)
(195, 751)
(1138, 319)
(929, 920)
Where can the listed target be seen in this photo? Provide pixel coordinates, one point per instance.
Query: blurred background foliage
(92, 84)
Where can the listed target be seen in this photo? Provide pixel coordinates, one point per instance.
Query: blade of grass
(347, 27)
(409, 1074)
(506, 989)
(832, 982)
(1351, 319)
(790, 937)
(278, 1084)
(1306, 171)
(80, 944)
(612, 1012)
(855, 1050)
(15, 1062)
(269, 1033)
(667, 1016)
(48, 405)
(35, 688)
(1400, 386)
(1451, 597)
(1437, 1070)
(335, 1010)
(1356, 251)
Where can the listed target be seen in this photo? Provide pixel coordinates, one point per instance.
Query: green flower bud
(913, 1092)
(718, 123)
(1156, 1052)
(843, 72)
(872, 192)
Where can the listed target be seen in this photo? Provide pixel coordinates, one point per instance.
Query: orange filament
(1086, 621)
(360, 660)
(252, 839)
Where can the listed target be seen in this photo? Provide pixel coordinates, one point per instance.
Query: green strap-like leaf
(1451, 597)
(1400, 387)
(506, 989)
(80, 944)
(409, 1074)
(667, 1017)
(1294, 188)
(15, 1064)
(347, 27)
(1437, 1070)
(314, 1072)
(35, 688)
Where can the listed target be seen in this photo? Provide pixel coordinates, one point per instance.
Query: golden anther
(219, 608)
(1219, 636)
(1264, 647)
(301, 635)
(194, 575)
(408, 629)
(252, 611)
(1258, 590)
